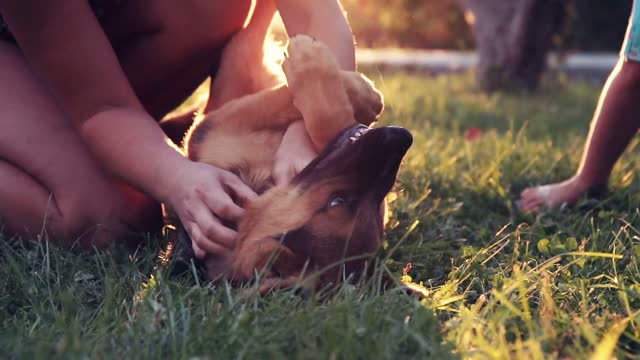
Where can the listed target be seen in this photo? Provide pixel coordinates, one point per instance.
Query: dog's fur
(323, 216)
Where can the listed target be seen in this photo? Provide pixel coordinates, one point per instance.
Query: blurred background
(509, 43)
(589, 25)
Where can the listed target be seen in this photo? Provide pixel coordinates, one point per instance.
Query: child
(614, 124)
(83, 85)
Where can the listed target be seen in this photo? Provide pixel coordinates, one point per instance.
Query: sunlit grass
(497, 289)
(494, 283)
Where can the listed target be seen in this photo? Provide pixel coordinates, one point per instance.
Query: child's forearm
(339, 39)
(323, 20)
(132, 147)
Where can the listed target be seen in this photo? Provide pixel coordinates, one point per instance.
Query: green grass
(497, 284)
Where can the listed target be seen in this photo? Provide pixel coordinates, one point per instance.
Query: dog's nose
(396, 138)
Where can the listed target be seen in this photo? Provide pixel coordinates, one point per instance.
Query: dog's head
(330, 215)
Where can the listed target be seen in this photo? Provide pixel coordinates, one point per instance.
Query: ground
(496, 283)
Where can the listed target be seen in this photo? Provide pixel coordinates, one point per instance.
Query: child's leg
(49, 179)
(614, 124)
(247, 64)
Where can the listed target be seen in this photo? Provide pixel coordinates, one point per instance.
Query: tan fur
(243, 136)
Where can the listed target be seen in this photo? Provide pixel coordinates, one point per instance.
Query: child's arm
(323, 20)
(68, 49)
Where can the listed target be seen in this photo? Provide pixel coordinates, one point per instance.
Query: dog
(329, 218)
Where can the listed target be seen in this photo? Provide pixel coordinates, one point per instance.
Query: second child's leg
(615, 122)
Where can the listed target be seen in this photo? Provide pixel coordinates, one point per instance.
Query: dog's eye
(336, 201)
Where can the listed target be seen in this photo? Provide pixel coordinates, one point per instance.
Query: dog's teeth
(357, 134)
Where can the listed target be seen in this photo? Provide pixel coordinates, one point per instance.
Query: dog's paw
(308, 60)
(366, 100)
(315, 81)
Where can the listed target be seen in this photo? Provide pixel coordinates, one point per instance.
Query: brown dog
(331, 214)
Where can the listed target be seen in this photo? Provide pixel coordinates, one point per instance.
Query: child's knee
(96, 221)
(79, 222)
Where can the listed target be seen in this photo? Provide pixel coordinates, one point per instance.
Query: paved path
(443, 61)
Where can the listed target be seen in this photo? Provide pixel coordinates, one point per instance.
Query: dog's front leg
(318, 89)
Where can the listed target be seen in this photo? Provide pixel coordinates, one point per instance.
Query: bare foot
(556, 195)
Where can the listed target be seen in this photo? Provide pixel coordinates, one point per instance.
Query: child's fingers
(204, 243)
(243, 193)
(206, 230)
(222, 206)
(197, 251)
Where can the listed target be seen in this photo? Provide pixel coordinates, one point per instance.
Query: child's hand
(203, 196)
(294, 153)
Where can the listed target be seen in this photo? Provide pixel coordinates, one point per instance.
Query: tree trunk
(512, 39)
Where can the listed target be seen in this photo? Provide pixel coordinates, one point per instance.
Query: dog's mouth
(368, 158)
(348, 136)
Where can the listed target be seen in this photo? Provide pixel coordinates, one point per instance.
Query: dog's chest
(258, 178)
(250, 156)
